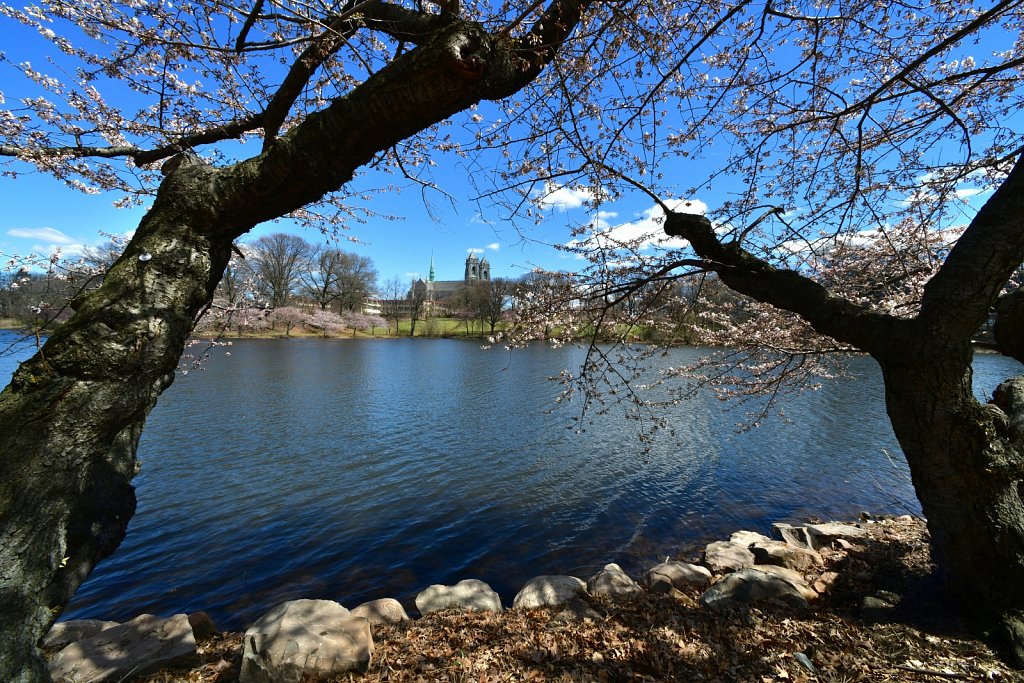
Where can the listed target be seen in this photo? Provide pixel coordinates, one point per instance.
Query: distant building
(440, 291)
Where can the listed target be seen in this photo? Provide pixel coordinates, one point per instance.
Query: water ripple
(354, 470)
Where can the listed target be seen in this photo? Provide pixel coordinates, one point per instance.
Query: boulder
(470, 594)
(785, 555)
(794, 577)
(383, 611)
(823, 535)
(542, 591)
(793, 535)
(612, 581)
(747, 538)
(825, 582)
(302, 640)
(722, 557)
(751, 585)
(576, 610)
(63, 633)
(814, 536)
(677, 575)
(135, 648)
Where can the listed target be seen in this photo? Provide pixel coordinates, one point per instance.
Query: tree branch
(141, 157)
(247, 26)
(393, 20)
(830, 315)
(958, 298)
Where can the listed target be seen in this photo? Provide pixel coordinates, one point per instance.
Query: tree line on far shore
(281, 284)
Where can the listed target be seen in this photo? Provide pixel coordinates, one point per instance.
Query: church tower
(472, 270)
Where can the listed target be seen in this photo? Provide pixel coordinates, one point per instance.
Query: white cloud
(647, 230)
(494, 246)
(475, 250)
(968, 192)
(563, 198)
(46, 234)
(66, 250)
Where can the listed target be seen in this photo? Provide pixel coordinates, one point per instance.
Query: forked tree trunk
(965, 460)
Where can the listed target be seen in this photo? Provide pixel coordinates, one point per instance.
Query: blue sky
(41, 214)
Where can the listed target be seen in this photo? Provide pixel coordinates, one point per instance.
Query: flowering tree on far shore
(326, 322)
(288, 317)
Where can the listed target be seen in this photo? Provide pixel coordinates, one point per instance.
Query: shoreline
(875, 619)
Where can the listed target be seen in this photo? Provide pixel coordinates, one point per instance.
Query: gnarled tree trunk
(965, 461)
(73, 414)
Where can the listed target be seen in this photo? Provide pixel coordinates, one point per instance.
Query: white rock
(470, 594)
(785, 555)
(822, 535)
(750, 585)
(612, 581)
(542, 591)
(64, 633)
(677, 575)
(816, 536)
(383, 611)
(794, 577)
(723, 556)
(747, 538)
(135, 648)
(304, 639)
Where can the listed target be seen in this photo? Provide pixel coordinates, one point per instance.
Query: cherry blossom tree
(290, 317)
(863, 166)
(328, 322)
(145, 99)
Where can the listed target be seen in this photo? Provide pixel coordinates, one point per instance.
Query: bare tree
(393, 305)
(277, 261)
(416, 304)
(338, 277)
(494, 299)
(358, 279)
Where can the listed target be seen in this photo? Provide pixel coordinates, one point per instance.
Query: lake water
(360, 469)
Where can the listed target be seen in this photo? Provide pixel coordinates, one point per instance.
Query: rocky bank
(816, 601)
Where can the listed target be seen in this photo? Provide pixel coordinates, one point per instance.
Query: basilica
(439, 291)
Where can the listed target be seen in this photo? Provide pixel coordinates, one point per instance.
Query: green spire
(431, 266)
